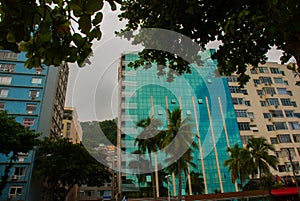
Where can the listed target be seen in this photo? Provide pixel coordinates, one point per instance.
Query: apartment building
(35, 97)
(268, 106)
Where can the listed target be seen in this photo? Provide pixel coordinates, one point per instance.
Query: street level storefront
(245, 195)
(285, 194)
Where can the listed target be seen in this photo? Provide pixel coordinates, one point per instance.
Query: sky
(92, 90)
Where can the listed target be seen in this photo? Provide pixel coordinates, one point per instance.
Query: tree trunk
(152, 178)
(179, 182)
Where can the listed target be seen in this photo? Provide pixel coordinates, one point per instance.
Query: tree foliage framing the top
(247, 29)
(44, 29)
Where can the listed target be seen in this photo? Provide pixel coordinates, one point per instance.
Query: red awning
(284, 191)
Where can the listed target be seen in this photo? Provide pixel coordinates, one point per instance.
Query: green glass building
(203, 97)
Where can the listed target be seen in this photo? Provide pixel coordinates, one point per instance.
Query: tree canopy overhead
(47, 29)
(247, 29)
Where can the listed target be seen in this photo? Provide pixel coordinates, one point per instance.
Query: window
(286, 82)
(8, 55)
(281, 91)
(28, 122)
(289, 113)
(285, 152)
(173, 101)
(247, 102)
(3, 93)
(241, 113)
(200, 101)
(281, 168)
(276, 113)
(260, 92)
(265, 80)
(7, 67)
(232, 79)
(294, 125)
(238, 101)
(253, 71)
(263, 69)
(244, 91)
(296, 137)
(234, 89)
(267, 115)
(244, 126)
(2, 105)
(34, 94)
(297, 115)
(273, 101)
(294, 103)
(290, 93)
(278, 80)
(15, 190)
(250, 115)
(245, 138)
(274, 140)
(275, 70)
(269, 90)
(270, 127)
(286, 102)
(256, 81)
(5, 80)
(284, 138)
(68, 126)
(30, 108)
(280, 125)
(36, 80)
(298, 149)
(20, 171)
(263, 103)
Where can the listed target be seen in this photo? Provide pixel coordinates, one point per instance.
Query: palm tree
(238, 163)
(148, 140)
(259, 149)
(197, 183)
(182, 131)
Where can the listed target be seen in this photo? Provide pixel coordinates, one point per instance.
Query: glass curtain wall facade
(203, 97)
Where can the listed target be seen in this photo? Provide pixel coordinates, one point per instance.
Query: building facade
(71, 126)
(36, 98)
(203, 97)
(268, 106)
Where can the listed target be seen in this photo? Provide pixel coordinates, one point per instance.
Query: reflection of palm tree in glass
(148, 140)
(238, 163)
(197, 183)
(182, 131)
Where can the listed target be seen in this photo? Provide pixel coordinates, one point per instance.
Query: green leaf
(78, 40)
(95, 33)
(85, 23)
(77, 9)
(93, 6)
(98, 18)
(112, 4)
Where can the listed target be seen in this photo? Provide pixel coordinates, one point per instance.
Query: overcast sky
(92, 89)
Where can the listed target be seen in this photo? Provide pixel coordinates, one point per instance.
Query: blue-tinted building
(203, 97)
(36, 98)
